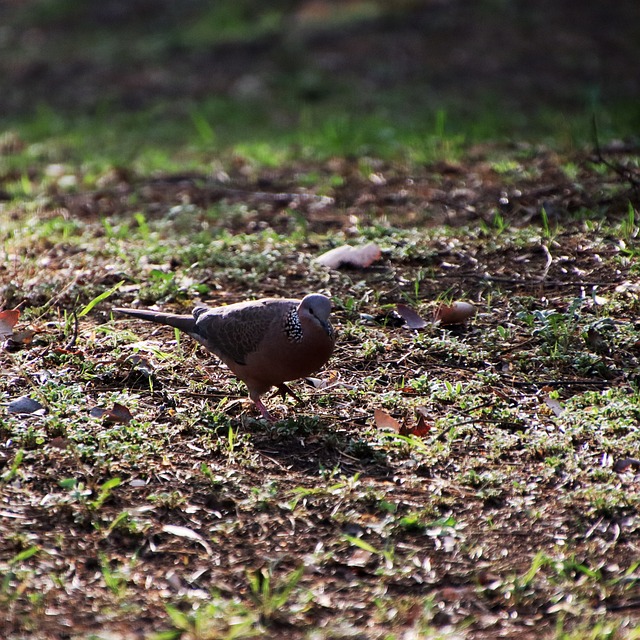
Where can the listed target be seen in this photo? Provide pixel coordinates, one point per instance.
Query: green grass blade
(100, 298)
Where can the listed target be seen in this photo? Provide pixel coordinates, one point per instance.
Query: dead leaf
(8, 320)
(25, 405)
(457, 313)
(384, 421)
(14, 339)
(323, 383)
(620, 466)
(421, 428)
(413, 319)
(118, 414)
(185, 532)
(20, 338)
(553, 404)
(63, 351)
(359, 558)
(347, 256)
(628, 287)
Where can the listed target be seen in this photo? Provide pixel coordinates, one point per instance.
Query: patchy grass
(515, 513)
(167, 160)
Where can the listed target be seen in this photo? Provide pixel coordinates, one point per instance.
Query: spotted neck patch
(292, 327)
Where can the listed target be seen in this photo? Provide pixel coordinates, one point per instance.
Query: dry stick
(74, 337)
(53, 300)
(533, 281)
(562, 383)
(517, 346)
(548, 263)
(624, 172)
(219, 190)
(441, 436)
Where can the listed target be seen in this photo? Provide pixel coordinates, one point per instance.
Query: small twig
(548, 263)
(218, 190)
(523, 282)
(517, 346)
(52, 301)
(589, 533)
(624, 172)
(625, 606)
(562, 383)
(74, 337)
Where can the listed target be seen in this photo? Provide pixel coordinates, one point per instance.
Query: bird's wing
(235, 332)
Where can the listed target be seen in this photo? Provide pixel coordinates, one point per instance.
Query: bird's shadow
(309, 443)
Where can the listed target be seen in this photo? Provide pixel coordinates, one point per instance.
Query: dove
(266, 342)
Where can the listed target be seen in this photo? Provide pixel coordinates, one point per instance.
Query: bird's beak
(327, 328)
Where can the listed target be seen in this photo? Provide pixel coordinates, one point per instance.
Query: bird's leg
(263, 410)
(284, 389)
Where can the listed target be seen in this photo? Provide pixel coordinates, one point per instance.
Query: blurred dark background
(521, 56)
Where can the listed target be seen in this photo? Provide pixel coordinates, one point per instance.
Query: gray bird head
(316, 308)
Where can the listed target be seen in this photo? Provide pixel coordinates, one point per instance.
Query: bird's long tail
(184, 323)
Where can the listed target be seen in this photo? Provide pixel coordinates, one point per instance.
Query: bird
(266, 342)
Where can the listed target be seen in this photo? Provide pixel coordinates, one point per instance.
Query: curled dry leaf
(189, 534)
(323, 383)
(14, 339)
(420, 429)
(348, 256)
(385, 421)
(456, 313)
(413, 319)
(8, 320)
(118, 414)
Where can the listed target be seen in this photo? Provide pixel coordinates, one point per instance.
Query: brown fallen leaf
(20, 338)
(118, 414)
(64, 351)
(413, 319)
(14, 339)
(384, 421)
(347, 256)
(456, 313)
(420, 429)
(8, 320)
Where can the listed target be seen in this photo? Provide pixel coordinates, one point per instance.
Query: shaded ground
(506, 518)
(526, 55)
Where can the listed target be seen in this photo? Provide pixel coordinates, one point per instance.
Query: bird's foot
(285, 389)
(263, 410)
